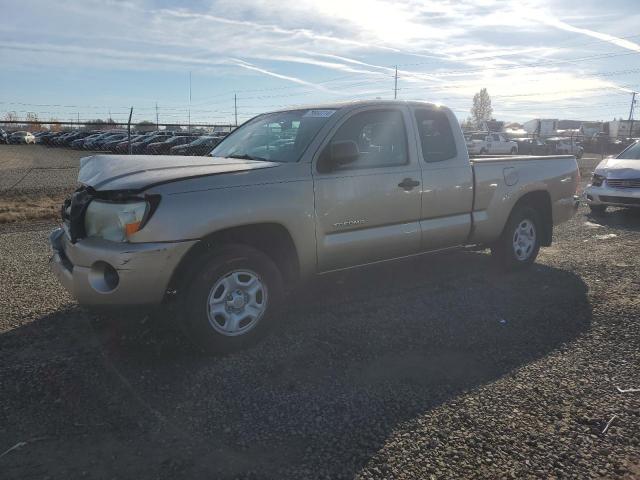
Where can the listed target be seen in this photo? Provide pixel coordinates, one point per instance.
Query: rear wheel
(598, 209)
(519, 244)
(230, 298)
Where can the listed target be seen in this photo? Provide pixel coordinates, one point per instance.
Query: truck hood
(133, 172)
(619, 168)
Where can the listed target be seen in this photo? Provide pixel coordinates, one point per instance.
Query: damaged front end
(110, 215)
(96, 258)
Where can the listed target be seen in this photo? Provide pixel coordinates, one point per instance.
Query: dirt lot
(441, 367)
(34, 180)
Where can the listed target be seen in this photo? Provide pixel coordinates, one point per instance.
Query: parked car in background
(96, 143)
(79, 142)
(22, 137)
(123, 146)
(4, 136)
(113, 144)
(163, 146)
(50, 138)
(201, 146)
(491, 144)
(291, 195)
(59, 139)
(532, 146)
(566, 146)
(141, 145)
(615, 182)
(67, 139)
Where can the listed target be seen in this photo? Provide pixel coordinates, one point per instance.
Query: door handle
(408, 184)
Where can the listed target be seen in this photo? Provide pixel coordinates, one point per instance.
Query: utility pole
(78, 120)
(633, 102)
(235, 107)
(395, 86)
(157, 121)
(189, 127)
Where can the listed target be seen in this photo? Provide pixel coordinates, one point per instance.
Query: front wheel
(519, 244)
(230, 298)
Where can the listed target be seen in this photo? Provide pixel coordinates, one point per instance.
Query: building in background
(622, 128)
(542, 127)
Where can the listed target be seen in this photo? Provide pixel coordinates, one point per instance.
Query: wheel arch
(272, 239)
(540, 201)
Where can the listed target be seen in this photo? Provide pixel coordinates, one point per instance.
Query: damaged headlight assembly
(596, 180)
(117, 221)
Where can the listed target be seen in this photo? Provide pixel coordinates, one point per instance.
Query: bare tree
(33, 117)
(11, 117)
(481, 111)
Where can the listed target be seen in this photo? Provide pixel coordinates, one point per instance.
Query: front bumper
(618, 197)
(86, 269)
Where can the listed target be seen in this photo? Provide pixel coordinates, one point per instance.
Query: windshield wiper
(244, 156)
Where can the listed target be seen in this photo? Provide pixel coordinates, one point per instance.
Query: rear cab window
(436, 136)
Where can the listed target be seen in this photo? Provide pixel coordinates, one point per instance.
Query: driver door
(368, 210)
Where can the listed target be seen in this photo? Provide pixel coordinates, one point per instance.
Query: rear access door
(447, 191)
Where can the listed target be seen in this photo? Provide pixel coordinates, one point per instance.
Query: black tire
(505, 253)
(514, 150)
(193, 307)
(598, 209)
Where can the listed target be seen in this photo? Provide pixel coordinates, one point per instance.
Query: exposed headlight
(114, 221)
(596, 180)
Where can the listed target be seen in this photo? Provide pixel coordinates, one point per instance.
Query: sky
(91, 59)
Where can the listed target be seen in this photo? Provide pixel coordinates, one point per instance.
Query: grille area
(627, 183)
(620, 200)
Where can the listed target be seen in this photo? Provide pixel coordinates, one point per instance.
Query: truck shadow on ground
(353, 357)
(622, 218)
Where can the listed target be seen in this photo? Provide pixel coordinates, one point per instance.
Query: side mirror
(338, 154)
(342, 153)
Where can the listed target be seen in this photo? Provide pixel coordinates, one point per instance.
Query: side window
(436, 136)
(380, 138)
(496, 138)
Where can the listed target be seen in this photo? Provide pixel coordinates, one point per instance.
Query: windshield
(631, 153)
(278, 137)
(478, 136)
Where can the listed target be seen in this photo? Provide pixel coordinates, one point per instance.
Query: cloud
(249, 66)
(620, 42)
(445, 49)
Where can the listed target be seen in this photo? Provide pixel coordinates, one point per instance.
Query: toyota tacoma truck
(290, 195)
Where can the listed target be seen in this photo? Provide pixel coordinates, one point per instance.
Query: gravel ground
(438, 368)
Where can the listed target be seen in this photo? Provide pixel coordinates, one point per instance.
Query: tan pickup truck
(292, 194)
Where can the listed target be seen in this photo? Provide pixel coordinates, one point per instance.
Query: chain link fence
(142, 138)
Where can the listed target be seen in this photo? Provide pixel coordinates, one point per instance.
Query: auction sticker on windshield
(319, 113)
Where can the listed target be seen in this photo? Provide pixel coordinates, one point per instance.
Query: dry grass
(17, 208)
